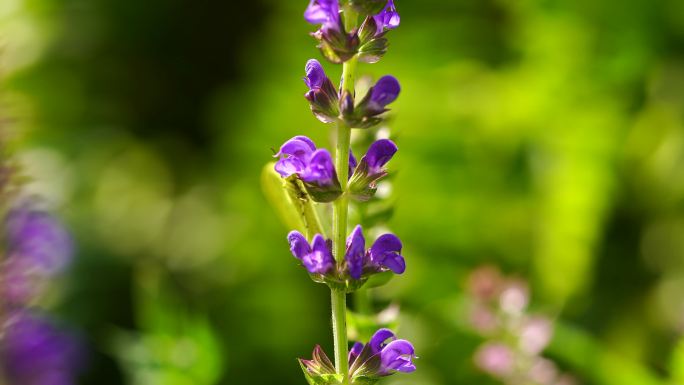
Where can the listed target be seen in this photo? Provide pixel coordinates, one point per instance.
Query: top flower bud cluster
(367, 41)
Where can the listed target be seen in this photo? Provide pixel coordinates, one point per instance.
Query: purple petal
(388, 18)
(354, 352)
(394, 262)
(320, 169)
(377, 341)
(299, 247)
(386, 243)
(288, 166)
(321, 256)
(386, 251)
(385, 91)
(356, 245)
(397, 355)
(352, 163)
(379, 153)
(299, 147)
(315, 75)
(324, 12)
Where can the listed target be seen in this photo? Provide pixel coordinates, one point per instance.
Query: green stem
(338, 299)
(340, 211)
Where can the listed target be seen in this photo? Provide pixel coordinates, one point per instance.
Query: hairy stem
(340, 210)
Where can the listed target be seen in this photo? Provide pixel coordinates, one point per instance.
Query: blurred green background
(543, 136)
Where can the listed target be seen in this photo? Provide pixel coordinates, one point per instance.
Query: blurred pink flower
(535, 335)
(514, 297)
(495, 358)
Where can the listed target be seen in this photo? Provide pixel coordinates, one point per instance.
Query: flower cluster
(330, 105)
(35, 248)
(382, 356)
(299, 158)
(311, 175)
(359, 262)
(516, 339)
(368, 41)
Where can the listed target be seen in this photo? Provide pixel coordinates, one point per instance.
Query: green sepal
(363, 380)
(323, 194)
(373, 50)
(379, 279)
(362, 186)
(368, 7)
(347, 285)
(320, 379)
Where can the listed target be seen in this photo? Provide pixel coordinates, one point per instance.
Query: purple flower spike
(316, 258)
(386, 251)
(355, 252)
(379, 153)
(385, 91)
(325, 12)
(397, 356)
(388, 18)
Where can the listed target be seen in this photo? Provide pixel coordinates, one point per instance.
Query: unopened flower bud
(322, 95)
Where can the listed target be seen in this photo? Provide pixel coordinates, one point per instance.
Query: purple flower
(371, 168)
(383, 355)
(383, 255)
(39, 237)
(385, 91)
(325, 12)
(356, 253)
(317, 257)
(299, 156)
(35, 353)
(322, 95)
(388, 18)
(385, 252)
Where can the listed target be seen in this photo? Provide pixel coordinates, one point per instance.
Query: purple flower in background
(316, 257)
(383, 255)
(394, 355)
(40, 237)
(21, 280)
(34, 352)
(324, 12)
(388, 18)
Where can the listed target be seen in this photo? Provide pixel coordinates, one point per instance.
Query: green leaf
(288, 211)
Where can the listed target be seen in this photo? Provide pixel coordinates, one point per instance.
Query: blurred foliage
(543, 136)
